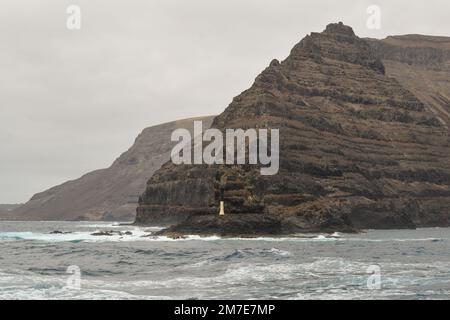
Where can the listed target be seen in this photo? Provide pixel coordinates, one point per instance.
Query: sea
(132, 263)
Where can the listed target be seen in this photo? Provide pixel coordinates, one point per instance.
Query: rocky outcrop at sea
(359, 148)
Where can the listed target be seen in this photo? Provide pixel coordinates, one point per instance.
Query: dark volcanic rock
(60, 232)
(229, 225)
(357, 150)
(252, 225)
(110, 233)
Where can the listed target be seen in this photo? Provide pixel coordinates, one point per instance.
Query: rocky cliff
(358, 149)
(112, 193)
(422, 65)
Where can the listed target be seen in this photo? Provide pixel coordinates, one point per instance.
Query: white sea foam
(145, 234)
(322, 278)
(139, 234)
(280, 252)
(101, 225)
(71, 237)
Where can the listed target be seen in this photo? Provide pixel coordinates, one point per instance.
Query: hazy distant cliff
(111, 193)
(359, 148)
(422, 65)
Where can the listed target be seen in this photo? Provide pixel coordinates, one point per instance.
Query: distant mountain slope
(358, 148)
(8, 207)
(112, 193)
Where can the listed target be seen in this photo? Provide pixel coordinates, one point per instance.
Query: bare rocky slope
(6, 210)
(422, 65)
(362, 145)
(112, 193)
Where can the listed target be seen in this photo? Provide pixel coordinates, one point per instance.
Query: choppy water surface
(414, 264)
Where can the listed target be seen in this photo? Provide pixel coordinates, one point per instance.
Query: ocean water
(397, 264)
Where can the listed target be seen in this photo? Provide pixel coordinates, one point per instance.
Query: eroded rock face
(357, 150)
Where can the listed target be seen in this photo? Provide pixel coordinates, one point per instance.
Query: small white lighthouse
(222, 209)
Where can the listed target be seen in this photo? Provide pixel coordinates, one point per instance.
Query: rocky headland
(363, 144)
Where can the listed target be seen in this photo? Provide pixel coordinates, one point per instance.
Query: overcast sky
(72, 101)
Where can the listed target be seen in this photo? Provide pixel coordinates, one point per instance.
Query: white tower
(222, 209)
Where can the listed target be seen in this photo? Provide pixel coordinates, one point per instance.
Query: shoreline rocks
(110, 233)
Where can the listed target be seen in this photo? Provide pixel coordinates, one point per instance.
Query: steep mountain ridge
(112, 193)
(357, 150)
